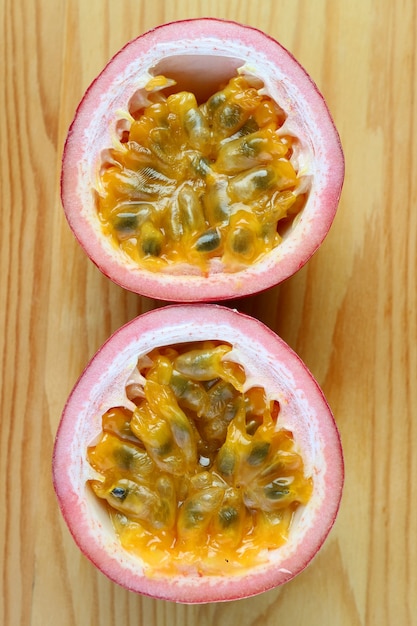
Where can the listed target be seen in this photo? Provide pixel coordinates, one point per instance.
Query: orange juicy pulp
(189, 182)
(198, 476)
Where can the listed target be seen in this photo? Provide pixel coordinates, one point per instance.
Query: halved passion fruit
(202, 164)
(197, 459)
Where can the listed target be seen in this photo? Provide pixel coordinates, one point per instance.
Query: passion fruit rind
(201, 56)
(110, 381)
(199, 473)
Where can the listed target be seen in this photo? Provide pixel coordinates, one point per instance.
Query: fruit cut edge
(285, 80)
(267, 359)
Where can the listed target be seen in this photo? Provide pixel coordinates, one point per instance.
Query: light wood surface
(350, 313)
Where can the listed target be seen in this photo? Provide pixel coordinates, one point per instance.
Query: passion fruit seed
(119, 492)
(199, 471)
(192, 167)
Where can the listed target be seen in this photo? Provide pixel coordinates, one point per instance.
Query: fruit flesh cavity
(198, 475)
(187, 182)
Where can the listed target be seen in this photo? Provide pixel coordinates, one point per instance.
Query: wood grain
(350, 313)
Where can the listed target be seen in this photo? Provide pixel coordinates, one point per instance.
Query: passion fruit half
(197, 459)
(202, 164)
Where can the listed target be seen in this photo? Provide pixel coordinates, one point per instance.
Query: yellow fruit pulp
(198, 477)
(189, 182)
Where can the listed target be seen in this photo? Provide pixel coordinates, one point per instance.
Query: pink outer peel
(269, 362)
(201, 54)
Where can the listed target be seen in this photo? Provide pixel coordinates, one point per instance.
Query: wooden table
(350, 313)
